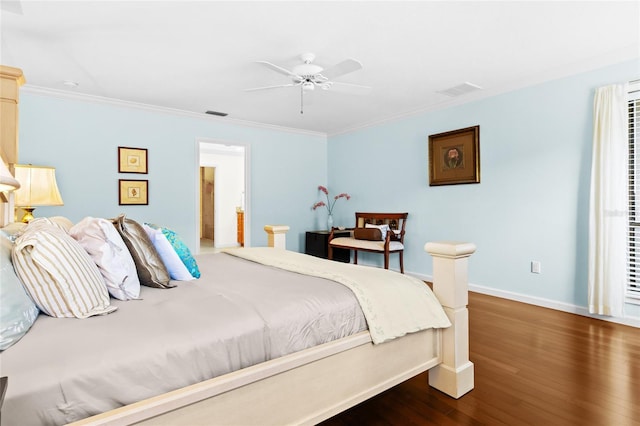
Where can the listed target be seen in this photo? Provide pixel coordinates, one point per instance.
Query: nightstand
(317, 244)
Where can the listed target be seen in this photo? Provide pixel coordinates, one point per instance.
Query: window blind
(633, 236)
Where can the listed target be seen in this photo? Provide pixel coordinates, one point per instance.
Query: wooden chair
(392, 241)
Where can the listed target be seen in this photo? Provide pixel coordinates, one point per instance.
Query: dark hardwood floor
(533, 366)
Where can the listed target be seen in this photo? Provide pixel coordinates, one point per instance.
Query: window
(633, 237)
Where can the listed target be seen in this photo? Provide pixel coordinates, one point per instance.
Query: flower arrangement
(329, 204)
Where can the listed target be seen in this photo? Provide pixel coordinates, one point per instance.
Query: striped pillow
(58, 274)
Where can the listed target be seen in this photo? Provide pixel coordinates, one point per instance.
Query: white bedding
(394, 304)
(239, 314)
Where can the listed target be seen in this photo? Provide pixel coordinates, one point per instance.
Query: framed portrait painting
(132, 160)
(132, 192)
(454, 157)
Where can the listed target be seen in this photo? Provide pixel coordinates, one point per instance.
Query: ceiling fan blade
(272, 87)
(344, 67)
(276, 68)
(356, 89)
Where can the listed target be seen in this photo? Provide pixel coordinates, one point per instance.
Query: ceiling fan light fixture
(308, 86)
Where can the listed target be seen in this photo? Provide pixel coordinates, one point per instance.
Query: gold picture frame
(454, 157)
(133, 192)
(132, 160)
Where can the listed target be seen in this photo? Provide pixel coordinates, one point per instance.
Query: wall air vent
(219, 114)
(461, 89)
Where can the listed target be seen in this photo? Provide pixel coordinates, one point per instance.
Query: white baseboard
(539, 301)
(552, 304)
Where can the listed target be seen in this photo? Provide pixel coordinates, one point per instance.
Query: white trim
(552, 304)
(624, 54)
(618, 56)
(62, 94)
(539, 301)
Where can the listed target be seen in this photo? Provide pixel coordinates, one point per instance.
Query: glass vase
(329, 222)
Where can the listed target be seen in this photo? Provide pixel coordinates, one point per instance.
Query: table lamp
(38, 187)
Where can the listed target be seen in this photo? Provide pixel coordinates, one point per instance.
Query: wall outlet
(536, 266)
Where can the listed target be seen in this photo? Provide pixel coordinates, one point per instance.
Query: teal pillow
(18, 311)
(180, 248)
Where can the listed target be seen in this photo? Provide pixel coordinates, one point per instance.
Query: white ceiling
(200, 55)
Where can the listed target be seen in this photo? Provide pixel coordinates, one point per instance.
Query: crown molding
(628, 53)
(62, 94)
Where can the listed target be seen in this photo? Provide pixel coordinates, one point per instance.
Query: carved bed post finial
(450, 285)
(277, 235)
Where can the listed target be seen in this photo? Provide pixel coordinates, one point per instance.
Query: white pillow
(177, 270)
(383, 229)
(101, 240)
(58, 274)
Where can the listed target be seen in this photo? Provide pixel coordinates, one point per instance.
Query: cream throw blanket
(393, 304)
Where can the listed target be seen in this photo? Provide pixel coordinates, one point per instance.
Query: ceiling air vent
(461, 89)
(219, 114)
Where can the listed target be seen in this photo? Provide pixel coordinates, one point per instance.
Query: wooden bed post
(277, 235)
(455, 375)
(10, 81)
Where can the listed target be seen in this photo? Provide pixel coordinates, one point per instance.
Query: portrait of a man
(453, 158)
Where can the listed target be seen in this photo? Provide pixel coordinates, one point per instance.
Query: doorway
(207, 207)
(223, 208)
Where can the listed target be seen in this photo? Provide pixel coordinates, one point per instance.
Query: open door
(207, 206)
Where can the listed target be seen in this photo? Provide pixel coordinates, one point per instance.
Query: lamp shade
(7, 181)
(38, 186)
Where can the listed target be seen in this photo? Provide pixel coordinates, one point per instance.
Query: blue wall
(531, 204)
(80, 139)
(533, 199)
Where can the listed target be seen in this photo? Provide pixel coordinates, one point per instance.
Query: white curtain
(608, 209)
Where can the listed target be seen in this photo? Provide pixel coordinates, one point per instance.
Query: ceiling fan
(308, 76)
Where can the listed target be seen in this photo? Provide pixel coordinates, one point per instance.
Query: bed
(98, 365)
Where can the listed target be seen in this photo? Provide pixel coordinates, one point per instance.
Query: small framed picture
(454, 157)
(132, 160)
(132, 192)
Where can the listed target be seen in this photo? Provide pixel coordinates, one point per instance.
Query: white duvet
(394, 304)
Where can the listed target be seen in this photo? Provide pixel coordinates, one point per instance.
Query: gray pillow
(149, 265)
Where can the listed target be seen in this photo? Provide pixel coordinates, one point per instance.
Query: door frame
(247, 186)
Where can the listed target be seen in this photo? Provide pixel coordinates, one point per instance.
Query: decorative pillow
(383, 229)
(169, 257)
(371, 234)
(62, 222)
(18, 312)
(151, 270)
(59, 275)
(181, 249)
(46, 222)
(105, 246)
